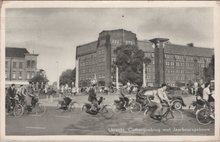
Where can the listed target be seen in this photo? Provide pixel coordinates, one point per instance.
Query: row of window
(149, 55)
(20, 65)
(188, 58)
(149, 77)
(87, 57)
(19, 75)
(182, 64)
(148, 70)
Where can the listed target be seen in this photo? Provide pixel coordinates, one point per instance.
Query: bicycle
(175, 116)
(70, 107)
(16, 109)
(205, 115)
(37, 107)
(133, 106)
(103, 109)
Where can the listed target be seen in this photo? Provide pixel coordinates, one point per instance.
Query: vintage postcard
(110, 71)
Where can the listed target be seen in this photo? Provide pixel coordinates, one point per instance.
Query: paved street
(80, 123)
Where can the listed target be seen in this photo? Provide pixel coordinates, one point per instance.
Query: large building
(20, 65)
(170, 63)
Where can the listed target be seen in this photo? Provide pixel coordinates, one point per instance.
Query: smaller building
(20, 65)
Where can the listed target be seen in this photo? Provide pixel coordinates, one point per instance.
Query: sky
(54, 33)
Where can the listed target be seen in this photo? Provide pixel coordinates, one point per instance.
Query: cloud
(55, 32)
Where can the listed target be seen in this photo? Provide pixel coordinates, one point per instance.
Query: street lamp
(58, 80)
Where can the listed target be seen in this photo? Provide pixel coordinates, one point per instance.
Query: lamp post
(58, 80)
(144, 75)
(117, 86)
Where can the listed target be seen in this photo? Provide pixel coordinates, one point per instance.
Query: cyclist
(30, 96)
(66, 102)
(122, 95)
(92, 96)
(21, 92)
(159, 98)
(144, 96)
(207, 96)
(11, 93)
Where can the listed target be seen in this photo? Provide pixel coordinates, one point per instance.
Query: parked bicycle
(103, 109)
(132, 106)
(169, 114)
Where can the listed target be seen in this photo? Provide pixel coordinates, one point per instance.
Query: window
(33, 64)
(6, 75)
(13, 75)
(167, 63)
(20, 75)
(172, 63)
(202, 65)
(28, 64)
(20, 65)
(14, 64)
(177, 64)
(32, 75)
(28, 75)
(6, 64)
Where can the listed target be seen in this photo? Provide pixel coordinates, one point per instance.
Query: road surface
(54, 122)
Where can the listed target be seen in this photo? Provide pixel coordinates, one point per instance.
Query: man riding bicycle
(122, 95)
(66, 101)
(159, 98)
(31, 99)
(21, 92)
(11, 93)
(92, 96)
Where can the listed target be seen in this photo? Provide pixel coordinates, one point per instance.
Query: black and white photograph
(109, 71)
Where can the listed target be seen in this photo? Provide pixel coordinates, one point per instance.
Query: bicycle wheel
(135, 107)
(115, 108)
(107, 112)
(84, 108)
(40, 108)
(174, 117)
(18, 110)
(203, 116)
(73, 106)
(147, 112)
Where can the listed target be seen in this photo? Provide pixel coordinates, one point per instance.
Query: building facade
(20, 65)
(170, 63)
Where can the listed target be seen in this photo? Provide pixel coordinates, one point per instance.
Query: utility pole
(117, 86)
(58, 80)
(144, 75)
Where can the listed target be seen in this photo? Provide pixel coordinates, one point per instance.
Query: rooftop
(16, 52)
(188, 50)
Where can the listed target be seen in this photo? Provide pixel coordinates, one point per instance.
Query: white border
(108, 4)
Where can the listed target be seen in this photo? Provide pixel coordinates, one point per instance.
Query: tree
(68, 76)
(39, 77)
(209, 72)
(129, 60)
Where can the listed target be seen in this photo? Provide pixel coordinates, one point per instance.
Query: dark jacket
(92, 95)
(11, 92)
